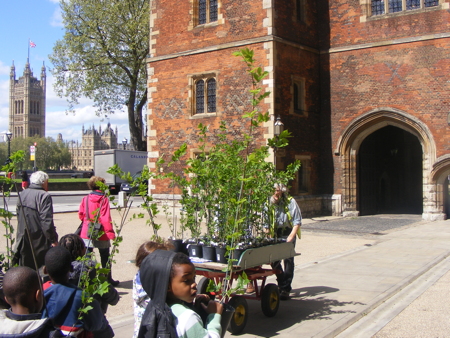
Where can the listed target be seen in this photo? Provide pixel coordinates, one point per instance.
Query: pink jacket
(96, 199)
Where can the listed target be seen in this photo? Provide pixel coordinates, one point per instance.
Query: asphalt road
(61, 202)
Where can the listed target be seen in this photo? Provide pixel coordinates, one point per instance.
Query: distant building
(27, 103)
(92, 139)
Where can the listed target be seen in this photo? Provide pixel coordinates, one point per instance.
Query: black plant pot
(209, 253)
(227, 316)
(195, 250)
(220, 255)
(237, 254)
(179, 246)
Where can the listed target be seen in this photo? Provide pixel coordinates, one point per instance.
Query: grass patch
(61, 180)
(68, 180)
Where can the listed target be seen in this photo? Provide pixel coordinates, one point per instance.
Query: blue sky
(40, 21)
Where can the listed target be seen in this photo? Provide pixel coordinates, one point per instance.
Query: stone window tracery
(205, 94)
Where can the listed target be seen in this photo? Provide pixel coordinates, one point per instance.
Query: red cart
(250, 262)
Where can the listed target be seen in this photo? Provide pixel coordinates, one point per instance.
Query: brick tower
(193, 77)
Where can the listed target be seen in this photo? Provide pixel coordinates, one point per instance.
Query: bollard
(123, 199)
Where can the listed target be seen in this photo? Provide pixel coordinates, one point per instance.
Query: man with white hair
(35, 214)
(287, 220)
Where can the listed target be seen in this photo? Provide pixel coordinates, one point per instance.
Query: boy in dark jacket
(22, 291)
(64, 299)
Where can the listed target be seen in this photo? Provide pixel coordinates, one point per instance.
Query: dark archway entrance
(446, 196)
(390, 173)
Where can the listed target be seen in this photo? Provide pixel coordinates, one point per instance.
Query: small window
(207, 11)
(300, 10)
(205, 95)
(298, 96)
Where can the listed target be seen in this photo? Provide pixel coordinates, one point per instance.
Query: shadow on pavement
(301, 307)
(128, 284)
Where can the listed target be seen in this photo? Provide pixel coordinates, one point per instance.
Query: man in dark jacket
(157, 320)
(35, 213)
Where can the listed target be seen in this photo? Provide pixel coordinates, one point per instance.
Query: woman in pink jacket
(94, 208)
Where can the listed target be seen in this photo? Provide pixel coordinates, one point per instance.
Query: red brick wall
(346, 28)
(243, 19)
(410, 77)
(287, 25)
(171, 113)
(291, 61)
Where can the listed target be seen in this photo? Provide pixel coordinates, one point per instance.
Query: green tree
(103, 57)
(50, 154)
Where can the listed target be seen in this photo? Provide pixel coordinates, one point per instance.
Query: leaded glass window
(201, 12)
(211, 87)
(205, 95)
(377, 7)
(200, 97)
(207, 11)
(212, 10)
(431, 3)
(412, 4)
(395, 6)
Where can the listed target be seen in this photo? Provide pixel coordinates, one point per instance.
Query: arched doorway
(390, 173)
(348, 150)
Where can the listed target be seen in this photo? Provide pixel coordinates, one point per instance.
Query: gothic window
(200, 97)
(211, 86)
(205, 95)
(207, 11)
(380, 7)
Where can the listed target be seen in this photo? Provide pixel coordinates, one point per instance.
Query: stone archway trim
(378, 118)
(348, 144)
(440, 169)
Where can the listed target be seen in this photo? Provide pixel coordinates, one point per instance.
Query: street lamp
(8, 135)
(124, 142)
(278, 128)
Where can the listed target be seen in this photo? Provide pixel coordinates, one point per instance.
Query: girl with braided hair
(75, 245)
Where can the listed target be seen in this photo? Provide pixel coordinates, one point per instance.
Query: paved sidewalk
(331, 295)
(345, 277)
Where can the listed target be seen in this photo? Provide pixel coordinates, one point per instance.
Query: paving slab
(330, 296)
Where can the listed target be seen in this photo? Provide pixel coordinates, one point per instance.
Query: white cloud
(4, 69)
(56, 19)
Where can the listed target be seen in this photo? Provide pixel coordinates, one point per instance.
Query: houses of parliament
(27, 108)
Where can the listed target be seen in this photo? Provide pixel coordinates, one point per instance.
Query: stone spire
(12, 74)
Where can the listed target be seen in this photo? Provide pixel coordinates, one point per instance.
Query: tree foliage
(50, 154)
(102, 56)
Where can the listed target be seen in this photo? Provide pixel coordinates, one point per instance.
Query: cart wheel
(270, 300)
(203, 285)
(240, 316)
